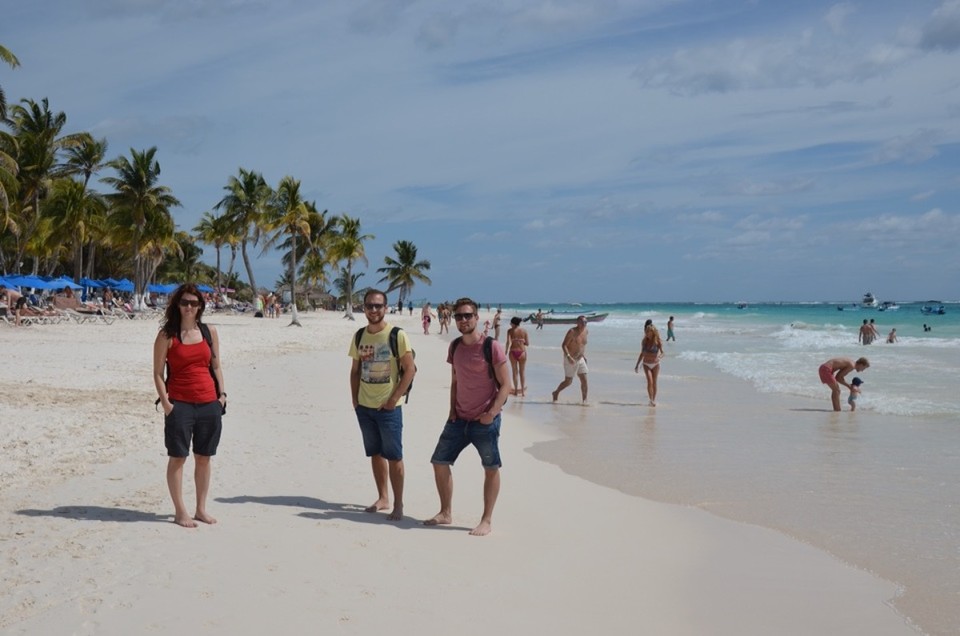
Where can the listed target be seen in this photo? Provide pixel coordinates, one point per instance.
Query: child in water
(854, 393)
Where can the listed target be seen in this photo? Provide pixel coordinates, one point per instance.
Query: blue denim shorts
(382, 431)
(458, 434)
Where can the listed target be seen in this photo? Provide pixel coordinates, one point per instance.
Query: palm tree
(245, 204)
(76, 213)
(346, 284)
(87, 159)
(347, 246)
(403, 271)
(142, 207)
(8, 165)
(13, 62)
(210, 230)
(290, 216)
(37, 132)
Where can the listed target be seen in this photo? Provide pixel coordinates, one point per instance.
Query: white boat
(868, 300)
(888, 305)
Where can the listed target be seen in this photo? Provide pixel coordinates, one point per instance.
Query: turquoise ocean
(744, 429)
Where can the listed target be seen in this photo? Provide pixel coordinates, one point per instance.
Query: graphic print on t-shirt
(375, 363)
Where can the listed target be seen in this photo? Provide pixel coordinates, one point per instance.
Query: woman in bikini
(651, 350)
(518, 341)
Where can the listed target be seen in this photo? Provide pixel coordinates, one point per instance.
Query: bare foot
(397, 513)
(185, 521)
(652, 403)
(440, 519)
(205, 518)
(377, 506)
(555, 394)
(482, 530)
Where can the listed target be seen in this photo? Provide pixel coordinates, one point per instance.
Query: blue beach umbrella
(89, 282)
(64, 281)
(32, 281)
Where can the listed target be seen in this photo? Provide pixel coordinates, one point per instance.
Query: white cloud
(837, 14)
(922, 196)
(915, 148)
(942, 31)
(707, 216)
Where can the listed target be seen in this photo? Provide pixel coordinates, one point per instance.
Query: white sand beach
(87, 544)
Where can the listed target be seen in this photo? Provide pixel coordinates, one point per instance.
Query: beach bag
(205, 332)
(394, 340)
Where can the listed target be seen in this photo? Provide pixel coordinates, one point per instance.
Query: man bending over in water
(833, 372)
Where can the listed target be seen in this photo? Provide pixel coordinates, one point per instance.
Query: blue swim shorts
(382, 431)
(458, 434)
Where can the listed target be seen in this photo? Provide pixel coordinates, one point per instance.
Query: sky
(547, 150)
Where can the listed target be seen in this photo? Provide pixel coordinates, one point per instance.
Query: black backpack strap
(357, 337)
(488, 356)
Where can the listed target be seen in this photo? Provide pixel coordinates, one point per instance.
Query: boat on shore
(567, 317)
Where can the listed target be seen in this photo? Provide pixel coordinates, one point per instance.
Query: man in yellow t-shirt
(377, 385)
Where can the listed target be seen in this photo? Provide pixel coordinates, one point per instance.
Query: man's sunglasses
(373, 306)
(459, 317)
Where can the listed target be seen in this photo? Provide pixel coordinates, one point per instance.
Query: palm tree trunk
(293, 283)
(348, 276)
(246, 263)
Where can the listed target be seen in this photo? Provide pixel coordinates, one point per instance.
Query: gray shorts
(201, 423)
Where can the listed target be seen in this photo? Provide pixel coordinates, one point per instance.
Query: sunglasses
(373, 306)
(459, 317)
(189, 303)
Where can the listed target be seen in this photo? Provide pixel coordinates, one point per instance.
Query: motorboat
(567, 317)
(868, 300)
(888, 305)
(933, 309)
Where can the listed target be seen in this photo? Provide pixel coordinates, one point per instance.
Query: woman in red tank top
(192, 395)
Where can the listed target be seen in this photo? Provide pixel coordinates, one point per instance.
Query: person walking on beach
(539, 319)
(426, 316)
(376, 387)
(478, 390)
(192, 396)
(832, 373)
(866, 333)
(517, 343)
(496, 324)
(574, 348)
(670, 335)
(651, 351)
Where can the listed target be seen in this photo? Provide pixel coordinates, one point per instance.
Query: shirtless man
(15, 302)
(866, 333)
(833, 372)
(574, 358)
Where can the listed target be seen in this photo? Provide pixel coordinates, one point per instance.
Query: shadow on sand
(98, 513)
(325, 510)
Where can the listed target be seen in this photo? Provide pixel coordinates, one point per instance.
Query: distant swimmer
(833, 372)
(892, 337)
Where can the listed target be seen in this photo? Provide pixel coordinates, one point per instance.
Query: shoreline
(92, 549)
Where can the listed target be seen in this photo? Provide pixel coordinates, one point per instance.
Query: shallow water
(744, 429)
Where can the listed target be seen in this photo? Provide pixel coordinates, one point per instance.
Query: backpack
(487, 355)
(394, 340)
(205, 332)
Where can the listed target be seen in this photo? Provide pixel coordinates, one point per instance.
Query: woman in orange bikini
(651, 350)
(518, 341)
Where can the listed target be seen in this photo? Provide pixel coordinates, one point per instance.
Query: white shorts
(574, 367)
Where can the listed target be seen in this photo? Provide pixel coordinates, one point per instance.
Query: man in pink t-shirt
(478, 391)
